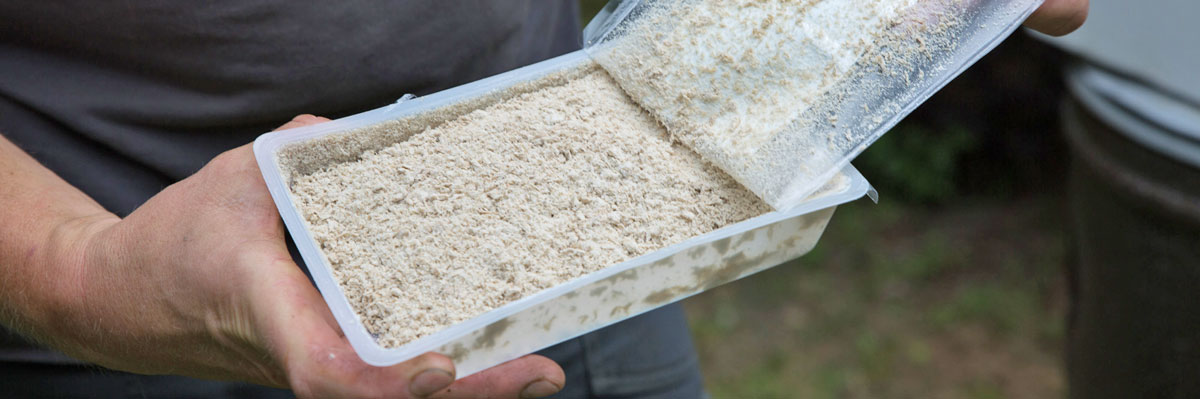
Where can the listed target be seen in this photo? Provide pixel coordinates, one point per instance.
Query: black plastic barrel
(1134, 323)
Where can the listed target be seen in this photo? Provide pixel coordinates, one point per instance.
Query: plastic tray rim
(267, 145)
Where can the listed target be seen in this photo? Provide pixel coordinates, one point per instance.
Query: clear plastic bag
(782, 95)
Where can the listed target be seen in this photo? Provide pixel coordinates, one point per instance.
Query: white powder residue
(506, 201)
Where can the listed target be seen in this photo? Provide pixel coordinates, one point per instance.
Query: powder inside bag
(778, 93)
(506, 201)
(726, 75)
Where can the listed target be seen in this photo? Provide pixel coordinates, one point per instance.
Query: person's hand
(198, 282)
(1058, 17)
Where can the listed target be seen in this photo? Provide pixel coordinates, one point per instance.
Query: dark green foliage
(917, 164)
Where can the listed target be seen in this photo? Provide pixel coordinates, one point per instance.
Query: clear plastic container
(799, 132)
(556, 314)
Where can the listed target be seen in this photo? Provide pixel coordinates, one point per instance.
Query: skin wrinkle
(75, 280)
(231, 326)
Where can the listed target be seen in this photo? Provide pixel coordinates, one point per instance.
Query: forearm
(45, 221)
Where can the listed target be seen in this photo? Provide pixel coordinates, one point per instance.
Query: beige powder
(508, 200)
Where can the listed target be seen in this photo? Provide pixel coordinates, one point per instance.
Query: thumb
(302, 120)
(1058, 17)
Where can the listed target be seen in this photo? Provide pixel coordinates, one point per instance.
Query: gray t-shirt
(124, 98)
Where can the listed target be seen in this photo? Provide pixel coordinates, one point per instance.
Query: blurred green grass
(897, 301)
(588, 8)
(950, 287)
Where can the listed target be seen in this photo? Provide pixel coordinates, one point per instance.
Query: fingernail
(539, 389)
(430, 381)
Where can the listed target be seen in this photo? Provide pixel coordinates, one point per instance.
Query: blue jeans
(649, 356)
